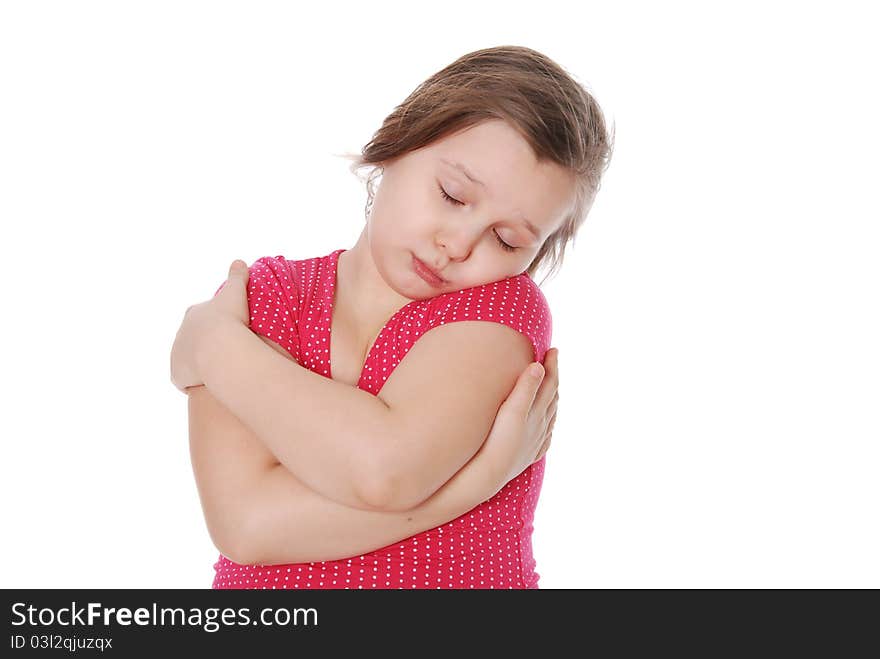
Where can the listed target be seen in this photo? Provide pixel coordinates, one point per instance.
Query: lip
(426, 273)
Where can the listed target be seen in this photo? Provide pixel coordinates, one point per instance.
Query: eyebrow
(464, 170)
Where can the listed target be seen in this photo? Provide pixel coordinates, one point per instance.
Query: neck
(361, 291)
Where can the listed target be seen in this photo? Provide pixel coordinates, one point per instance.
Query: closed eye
(456, 202)
(450, 199)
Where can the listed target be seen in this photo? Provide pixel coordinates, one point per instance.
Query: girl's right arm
(259, 512)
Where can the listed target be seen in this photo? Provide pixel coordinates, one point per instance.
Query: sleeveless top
(488, 547)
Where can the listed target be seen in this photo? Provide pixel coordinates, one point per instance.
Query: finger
(551, 362)
(523, 395)
(238, 270)
(550, 382)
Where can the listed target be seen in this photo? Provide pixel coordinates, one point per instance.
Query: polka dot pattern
(490, 546)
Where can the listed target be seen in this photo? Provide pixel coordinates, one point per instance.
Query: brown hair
(551, 110)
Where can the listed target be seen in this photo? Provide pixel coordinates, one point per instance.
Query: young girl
(338, 463)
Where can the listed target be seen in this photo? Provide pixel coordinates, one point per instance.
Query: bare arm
(386, 452)
(258, 512)
(296, 414)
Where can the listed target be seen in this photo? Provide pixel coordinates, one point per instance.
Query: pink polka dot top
(488, 547)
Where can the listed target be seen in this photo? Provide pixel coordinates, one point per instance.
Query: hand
(229, 305)
(523, 426)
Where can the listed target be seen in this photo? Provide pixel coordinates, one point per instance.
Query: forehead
(493, 140)
(495, 154)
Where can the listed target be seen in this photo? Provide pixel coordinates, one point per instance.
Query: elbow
(235, 548)
(384, 490)
(231, 547)
(371, 484)
(385, 483)
(232, 539)
(375, 492)
(237, 554)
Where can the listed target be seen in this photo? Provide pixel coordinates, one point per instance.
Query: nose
(458, 241)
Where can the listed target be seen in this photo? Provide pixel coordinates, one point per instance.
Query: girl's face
(469, 233)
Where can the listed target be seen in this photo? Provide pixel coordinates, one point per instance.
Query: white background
(717, 317)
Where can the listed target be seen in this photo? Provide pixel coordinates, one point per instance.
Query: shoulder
(267, 273)
(271, 285)
(281, 279)
(290, 278)
(518, 292)
(270, 272)
(515, 302)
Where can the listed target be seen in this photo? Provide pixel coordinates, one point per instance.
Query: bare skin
(257, 512)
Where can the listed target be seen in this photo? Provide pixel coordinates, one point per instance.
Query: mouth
(427, 273)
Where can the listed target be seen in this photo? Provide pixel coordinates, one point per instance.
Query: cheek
(389, 231)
